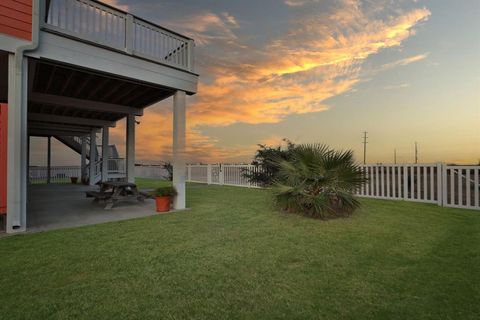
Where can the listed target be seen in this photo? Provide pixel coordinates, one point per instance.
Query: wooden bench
(99, 196)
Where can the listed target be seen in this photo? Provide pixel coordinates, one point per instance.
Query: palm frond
(318, 181)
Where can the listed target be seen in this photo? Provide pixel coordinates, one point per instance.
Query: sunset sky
(321, 71)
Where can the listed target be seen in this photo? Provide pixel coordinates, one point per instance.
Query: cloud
(207, 27)
(298, 3)
(397, 86)
(319, 57)
(405, 61)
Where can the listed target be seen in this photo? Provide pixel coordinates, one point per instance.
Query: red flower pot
(163, 204)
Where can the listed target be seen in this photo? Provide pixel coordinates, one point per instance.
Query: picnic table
(115, 191)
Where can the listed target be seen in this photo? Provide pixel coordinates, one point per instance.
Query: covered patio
(57, 206)
(73, 84)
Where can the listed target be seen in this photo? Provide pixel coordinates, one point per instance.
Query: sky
(323, 71)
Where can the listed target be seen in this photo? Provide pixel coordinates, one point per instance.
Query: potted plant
(163, 198)
(74, 180)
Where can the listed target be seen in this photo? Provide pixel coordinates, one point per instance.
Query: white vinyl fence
(445, 185)
(222, 174)
(151, 171)
(57, 174)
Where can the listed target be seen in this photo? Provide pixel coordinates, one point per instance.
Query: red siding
(3, 158)
(16, 18)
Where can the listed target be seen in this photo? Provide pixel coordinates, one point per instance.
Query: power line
(365, 147)
(416, 152)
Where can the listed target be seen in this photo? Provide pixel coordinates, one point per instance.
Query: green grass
(232, 256)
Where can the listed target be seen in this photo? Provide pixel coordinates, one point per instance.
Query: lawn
(233, 256)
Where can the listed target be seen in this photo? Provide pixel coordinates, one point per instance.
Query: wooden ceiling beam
(44, 117)
(84, 104)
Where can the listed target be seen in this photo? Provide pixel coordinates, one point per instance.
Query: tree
(317, 181)
(266, 158)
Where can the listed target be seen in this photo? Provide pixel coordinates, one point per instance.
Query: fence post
(189, 172)
(209, 174)
(220, 175)
(444, 185)
(405, 182)
(440, 184)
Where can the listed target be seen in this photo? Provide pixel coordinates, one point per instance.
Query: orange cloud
(319, 57)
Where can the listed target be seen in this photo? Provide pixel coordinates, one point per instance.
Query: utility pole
(416, 152)
(365, 147)
(395, 156)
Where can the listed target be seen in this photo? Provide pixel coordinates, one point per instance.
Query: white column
(93, 148)
(49, 159)
(17, 146)
(105, 154)
(83, 159)
(131, 148)
(179, 148)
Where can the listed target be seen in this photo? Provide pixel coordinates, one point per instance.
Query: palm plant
(318, 181)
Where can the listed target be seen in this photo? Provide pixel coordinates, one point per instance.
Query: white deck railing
(445, 185)
(103, 25)
(116, 165)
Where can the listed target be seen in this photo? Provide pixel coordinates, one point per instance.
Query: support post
(28, 159)
(105, 154)
(93, 149)
(49, 160)
(17, 166)
(131, 148)
(83, 160)
(179, 101)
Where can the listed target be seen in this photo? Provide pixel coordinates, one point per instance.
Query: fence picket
(468, 201)
(476, 188)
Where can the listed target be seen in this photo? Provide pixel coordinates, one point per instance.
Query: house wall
(16, 18)
(3, 158)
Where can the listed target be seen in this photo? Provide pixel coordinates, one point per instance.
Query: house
(70, 69)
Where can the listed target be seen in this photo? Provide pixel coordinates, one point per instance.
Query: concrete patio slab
(57, 206)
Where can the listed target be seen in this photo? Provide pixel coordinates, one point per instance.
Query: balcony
(107, 27)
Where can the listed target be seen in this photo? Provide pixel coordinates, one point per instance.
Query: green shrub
(317, 181)
(165, 192)
(266, 158)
